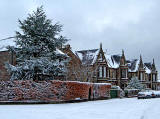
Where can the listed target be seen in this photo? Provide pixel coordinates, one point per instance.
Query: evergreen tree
(135, 84)
(36, 48)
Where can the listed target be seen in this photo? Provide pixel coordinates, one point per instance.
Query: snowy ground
(105, 109)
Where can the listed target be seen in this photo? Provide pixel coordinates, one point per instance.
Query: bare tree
(83, 73)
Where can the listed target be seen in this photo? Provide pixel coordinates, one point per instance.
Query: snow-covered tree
(37, 47)
(135, 84)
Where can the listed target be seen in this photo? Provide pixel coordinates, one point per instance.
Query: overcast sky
(132, 25)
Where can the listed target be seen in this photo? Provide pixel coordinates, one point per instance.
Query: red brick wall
(101, 90)
(4, 57)
(52, 91)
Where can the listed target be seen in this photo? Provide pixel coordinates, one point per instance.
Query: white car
(157, 94)
(145, 95)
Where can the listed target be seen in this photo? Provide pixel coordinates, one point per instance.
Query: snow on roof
(5, 43)
(148, 67)
(88, 56)
(133, 65)
(59, 52)
(113, 60)
(148, 71)
(11, 42)
(158, 80)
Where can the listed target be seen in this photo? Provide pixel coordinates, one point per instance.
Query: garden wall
(52, 91)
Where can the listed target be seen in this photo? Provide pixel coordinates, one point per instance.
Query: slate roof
(88, 56)
(148, 67)
(134, 64)
(113, 60)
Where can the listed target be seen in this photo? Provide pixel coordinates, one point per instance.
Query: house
(6, 57)
(74, 64)
(115, 69)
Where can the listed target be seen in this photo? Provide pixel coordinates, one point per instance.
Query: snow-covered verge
(127, 108)
(51, 91)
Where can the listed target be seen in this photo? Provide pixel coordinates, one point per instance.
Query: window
(124, 73)
(104, 72)
(108, 73)
(113, 74)
(154, 77)
(100, 58)
(146, 77)
(141, 76)
(100, 72)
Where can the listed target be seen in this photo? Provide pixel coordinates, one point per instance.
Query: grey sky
(132, 25)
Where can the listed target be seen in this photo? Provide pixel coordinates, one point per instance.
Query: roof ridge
(86, 50)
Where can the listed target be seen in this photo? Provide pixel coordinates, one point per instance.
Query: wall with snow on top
(52, 91)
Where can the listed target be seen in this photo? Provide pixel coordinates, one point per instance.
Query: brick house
(73, 65)
(6, 56)
(115, 69)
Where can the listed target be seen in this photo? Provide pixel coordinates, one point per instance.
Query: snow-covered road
(105, 109)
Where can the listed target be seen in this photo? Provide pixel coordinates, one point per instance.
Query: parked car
(148, 94)
(157, 94)
(145, 95)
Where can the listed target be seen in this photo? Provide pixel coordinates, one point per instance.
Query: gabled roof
(133, 65)
(88, 56)
(113, 60)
